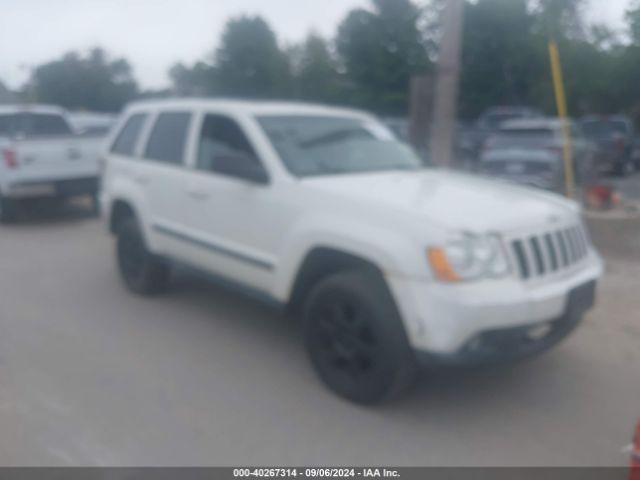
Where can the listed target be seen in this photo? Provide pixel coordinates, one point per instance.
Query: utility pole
(447, 84)
(561, 102)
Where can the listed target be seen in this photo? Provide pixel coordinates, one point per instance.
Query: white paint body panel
(389, 219)
(48, 158)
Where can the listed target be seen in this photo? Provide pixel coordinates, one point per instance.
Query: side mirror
(241, 166)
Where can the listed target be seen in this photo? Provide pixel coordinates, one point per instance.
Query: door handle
(141, 180)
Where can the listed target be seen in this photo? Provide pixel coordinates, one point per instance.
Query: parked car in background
(531, 152)
(635, 154)
(92, 123)
(493, 118)
(41, 157)
(614, 137)
(490, 122)
(532, 167)
(387, 264)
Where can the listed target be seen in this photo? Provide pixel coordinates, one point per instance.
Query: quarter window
(126, 142)
(169, 138)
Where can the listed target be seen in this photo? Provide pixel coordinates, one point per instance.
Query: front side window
(322, 145)
(221, 138)
(127, 139)
(168, 138)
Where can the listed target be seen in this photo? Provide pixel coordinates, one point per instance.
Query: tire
(142, 272)
(355, 338)
(95, 205)
(8, 210)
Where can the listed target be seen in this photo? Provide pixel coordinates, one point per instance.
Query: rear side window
(126, 142)
(169, 138)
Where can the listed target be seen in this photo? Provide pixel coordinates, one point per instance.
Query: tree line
(373, 55)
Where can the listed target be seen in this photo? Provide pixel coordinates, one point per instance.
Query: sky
(155, 34)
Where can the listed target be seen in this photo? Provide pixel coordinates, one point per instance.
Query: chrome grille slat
(563, 248)
(571, 246)
(549, 252)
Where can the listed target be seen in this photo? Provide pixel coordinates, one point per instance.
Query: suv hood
(453, 200)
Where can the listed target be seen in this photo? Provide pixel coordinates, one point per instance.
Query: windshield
(320, 145)
(531, 138)
(33, 124)
(601, 128)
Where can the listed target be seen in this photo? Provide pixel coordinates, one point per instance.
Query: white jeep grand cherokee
(388, 264)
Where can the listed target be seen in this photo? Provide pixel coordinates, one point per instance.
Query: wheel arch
(320, 262)
(121, 209)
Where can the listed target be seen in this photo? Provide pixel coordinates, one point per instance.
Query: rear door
(162, 173)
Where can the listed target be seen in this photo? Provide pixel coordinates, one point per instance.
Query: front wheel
(142, 272)
(356, 339)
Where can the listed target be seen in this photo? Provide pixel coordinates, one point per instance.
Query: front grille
(549, 252)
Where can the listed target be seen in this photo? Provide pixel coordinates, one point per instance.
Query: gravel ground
(91, 375)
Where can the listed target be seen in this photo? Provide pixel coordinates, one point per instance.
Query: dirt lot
(91, 375)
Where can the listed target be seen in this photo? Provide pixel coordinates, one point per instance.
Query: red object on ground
(602, 196)
(635, 456)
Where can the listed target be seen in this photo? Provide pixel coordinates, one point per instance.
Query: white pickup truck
(388, 265)
(40, 156)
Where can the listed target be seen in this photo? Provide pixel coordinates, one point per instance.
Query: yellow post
(561, 102)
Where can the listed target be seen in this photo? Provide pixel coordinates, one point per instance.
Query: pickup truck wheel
(7, 210)
(355, 338)
(142, 272)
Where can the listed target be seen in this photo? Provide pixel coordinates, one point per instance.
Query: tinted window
(169, 138)
(321, 145)
(603, 128)
(6, 122)
(44, 124)
(220, 137)
(36, 124)
(125, 144)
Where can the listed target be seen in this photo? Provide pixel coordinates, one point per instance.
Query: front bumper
(463, 323)
(517, 343)
(53, 188)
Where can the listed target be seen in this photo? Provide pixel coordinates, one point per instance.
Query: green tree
(561, 18)
(198, 80)
(633, 20)
(500, 61)
(315, 70)
(249, 62)
(6, 96)
(381, 49)
(90, 82)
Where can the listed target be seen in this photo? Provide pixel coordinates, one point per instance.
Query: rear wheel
(142, 272)
(7, 210)
(355, 338)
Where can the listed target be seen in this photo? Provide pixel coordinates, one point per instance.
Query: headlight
(469, 257)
